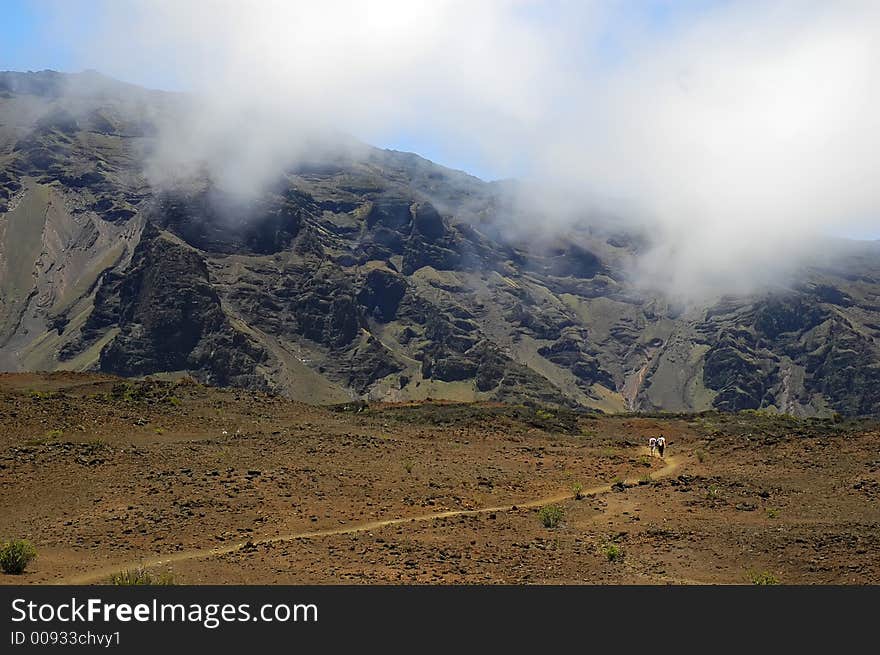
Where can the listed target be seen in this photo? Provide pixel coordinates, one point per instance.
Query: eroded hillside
(375, 274)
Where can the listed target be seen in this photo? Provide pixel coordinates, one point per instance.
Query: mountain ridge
(368, 273)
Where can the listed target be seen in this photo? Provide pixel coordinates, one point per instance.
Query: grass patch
(612, 552)
(763, 578)
(700, 455)
(550, 516)
(43, 395)
(38, 441)
(50, 437)
(772, 513)
(140, 576)
(578, 490)
(15, 555)
(148, 392)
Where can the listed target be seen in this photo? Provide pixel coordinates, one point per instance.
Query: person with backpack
(652, 443)
(661, 444)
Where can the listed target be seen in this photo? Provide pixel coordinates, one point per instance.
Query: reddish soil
(227, 486)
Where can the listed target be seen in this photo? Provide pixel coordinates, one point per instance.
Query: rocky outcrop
(571, 351)
(170, 319)
(381, 294)
(366, 363)
(777, 316)
(217, 222)
(734, 370)
(844, 369)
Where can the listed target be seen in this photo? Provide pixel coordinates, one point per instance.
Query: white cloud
(736, 134)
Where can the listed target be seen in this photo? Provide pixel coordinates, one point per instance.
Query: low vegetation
(15, 555)
(550, 515)
(149, 392)
(43, 395)
(612, 552)
(763, 578)
(140, 576)
(553, 419)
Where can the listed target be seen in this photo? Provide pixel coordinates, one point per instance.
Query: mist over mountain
(740, 135)
(350, 271)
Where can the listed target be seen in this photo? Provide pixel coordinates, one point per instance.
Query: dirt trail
(98, 575)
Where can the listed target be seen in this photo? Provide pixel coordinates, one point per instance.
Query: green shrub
(701, 456)
(15, 556)
(140, 576)
(763, 578)
(772, 513)
(42, 395)
(612, 552)
(578, 490)
(550, 515)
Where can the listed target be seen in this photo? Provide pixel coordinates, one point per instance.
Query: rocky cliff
(376, 274)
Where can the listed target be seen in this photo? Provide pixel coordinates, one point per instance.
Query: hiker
(661, 444)
(652, 442)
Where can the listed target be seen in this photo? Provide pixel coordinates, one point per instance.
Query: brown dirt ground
(227, 486)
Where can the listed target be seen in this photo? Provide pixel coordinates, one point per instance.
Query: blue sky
(28, 39)
(24, 42)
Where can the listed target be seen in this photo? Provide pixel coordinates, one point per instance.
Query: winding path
(98, 575)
